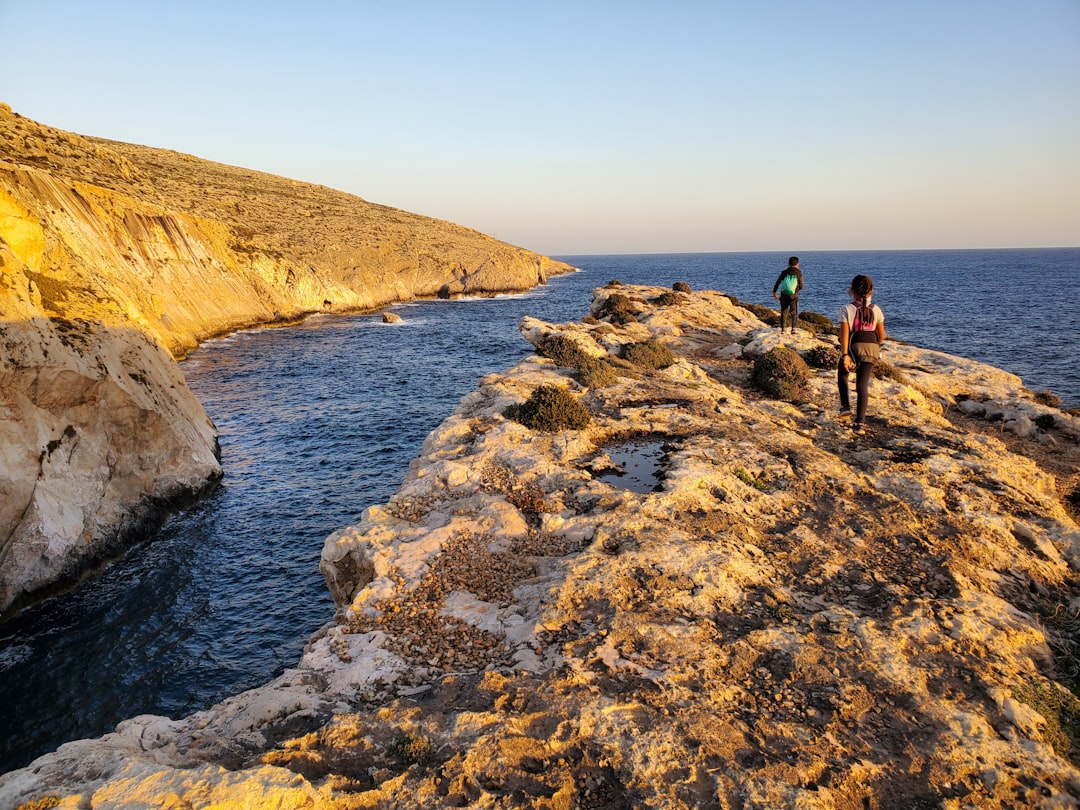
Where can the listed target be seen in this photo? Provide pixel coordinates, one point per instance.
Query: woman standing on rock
(862, 331)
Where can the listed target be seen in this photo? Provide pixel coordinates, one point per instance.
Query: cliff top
(703, 597)
(272, 214)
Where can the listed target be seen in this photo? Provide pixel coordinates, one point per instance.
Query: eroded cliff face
(789, 617)
(114, 257)
(99, 437)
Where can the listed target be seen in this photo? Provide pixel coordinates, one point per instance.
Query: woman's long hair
(861, 287)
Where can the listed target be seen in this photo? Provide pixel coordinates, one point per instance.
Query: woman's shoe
(858, 428)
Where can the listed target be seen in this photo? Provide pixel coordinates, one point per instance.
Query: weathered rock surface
(109, 251)
(792, 617)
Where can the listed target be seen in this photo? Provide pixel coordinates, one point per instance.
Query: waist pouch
(864, 347)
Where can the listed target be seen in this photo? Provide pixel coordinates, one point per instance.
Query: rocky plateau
(784, 616)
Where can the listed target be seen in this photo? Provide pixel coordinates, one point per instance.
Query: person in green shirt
(786, 291)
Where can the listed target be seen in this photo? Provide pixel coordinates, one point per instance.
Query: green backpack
(788, 284)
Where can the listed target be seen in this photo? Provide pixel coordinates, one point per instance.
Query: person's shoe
(858, 428)
(845, 414)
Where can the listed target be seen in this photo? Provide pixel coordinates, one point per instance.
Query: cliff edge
(702, 597)
(114, 257)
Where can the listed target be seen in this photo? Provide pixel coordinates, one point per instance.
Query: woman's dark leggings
(863, 372)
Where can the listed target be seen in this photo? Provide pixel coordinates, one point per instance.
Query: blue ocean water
(1010, 308)
(319, 421)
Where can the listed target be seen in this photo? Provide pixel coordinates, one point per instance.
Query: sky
(593, 127)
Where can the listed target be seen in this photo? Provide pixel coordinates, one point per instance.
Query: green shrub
(750, 479)
(1061, 710)
(592, 372)
(618, 308)
(561, 349)
(596, 372)
(771, 317)
(785, 614)
(617, 302)
(819, 323)
(681, 286)
(823, 357)
(782, 374)
(648, 354)
(1048, 398)
(410, 749)
(550, 409)
(668, 299)
(619, 318)
(44, 803)
(887, 371)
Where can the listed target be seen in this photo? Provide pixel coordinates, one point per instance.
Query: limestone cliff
(784, 616)
(109, 252)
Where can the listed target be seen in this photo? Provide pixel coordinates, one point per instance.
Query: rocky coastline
(116, 259)
(785, 615)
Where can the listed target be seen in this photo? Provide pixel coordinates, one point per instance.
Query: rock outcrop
(109, 252)
(784, 615)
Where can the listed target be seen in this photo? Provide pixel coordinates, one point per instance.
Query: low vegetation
(668, 299)
(410, 749)
(823, 357)
(769, 317)
(562, 350)
(750, 479)
(887, 371)
(550, 409)
(648, 354)
(596, 372)
(44, 803)
(1048, 398)
(817, 323)
(782, 374)
(590, 371)
(618, 309)
(1061, 710)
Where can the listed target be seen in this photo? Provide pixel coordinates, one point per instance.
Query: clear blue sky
(601, 127)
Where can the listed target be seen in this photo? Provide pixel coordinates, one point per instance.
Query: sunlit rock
(791, 617)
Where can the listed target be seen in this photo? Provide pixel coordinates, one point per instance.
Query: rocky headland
(116, 259)
(700, 595)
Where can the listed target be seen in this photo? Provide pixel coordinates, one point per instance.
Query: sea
(320, 420)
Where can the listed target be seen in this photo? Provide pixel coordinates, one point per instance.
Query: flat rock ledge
(790, 617)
